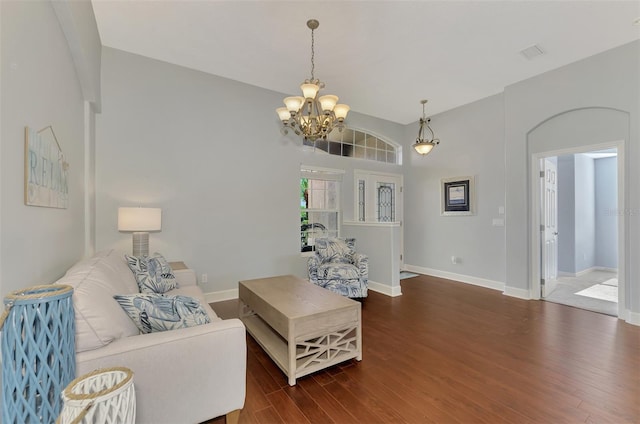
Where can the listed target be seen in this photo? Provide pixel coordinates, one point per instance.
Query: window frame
(322, 174)
(369, 152)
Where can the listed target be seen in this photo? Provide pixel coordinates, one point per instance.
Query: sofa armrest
(185, 277)
(361, 261)
(312, 266)
(186, 375)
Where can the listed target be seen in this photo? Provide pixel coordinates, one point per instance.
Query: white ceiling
(380, 57)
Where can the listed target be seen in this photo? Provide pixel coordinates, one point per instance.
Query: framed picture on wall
(45, 170)
(457, 196)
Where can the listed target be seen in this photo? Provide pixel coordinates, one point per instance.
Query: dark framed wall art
(457, 196)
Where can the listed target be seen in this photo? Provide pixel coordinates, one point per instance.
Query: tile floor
(568, 286)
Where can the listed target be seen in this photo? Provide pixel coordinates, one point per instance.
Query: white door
(388, 204)
(549, 227)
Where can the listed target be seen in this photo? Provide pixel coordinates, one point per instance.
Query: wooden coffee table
(302, 327)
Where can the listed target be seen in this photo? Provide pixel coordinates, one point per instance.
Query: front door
(549, 227)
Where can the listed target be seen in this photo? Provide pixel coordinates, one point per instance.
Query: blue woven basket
(38, 353)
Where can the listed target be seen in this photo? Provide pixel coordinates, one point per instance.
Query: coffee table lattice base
(326, 348)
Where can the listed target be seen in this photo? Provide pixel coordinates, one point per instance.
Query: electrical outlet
(204, 278)
(454, 260)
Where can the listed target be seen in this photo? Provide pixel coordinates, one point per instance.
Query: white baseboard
(584, 271)
(632, 318)
(476, 281)
(603, 268)
(594, 268)
(223, 295)
(385, 289)
(517, 292)
(219, 296)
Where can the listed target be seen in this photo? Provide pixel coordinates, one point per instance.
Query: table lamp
(140, 221)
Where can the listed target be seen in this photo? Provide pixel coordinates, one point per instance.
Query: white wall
(566, 215)
(226, 155)
(585, 213)
(606, 198)
(78, 23)
(603, 93)
(208, 151)
(472, 145)
(596, 100)
(380, 243)
(39, 88)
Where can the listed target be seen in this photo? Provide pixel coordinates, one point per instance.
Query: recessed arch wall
(606, 81)
(575, 131)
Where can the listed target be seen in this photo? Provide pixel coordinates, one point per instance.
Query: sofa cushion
(196, 293)
(153, 312)
(153, 273)
(336, 250)
(99, 318)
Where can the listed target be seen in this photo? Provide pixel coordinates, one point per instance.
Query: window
(377, 197)
(319, 205)
(357, 144)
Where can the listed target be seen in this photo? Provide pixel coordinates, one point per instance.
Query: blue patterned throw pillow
(153, 274)
(155, 312)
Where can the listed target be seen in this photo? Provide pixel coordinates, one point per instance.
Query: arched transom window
(357, 144)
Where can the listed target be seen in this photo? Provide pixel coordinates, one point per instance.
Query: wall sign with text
(45, 170)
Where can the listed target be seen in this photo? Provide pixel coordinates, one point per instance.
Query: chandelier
(308, 115)
(425, 145)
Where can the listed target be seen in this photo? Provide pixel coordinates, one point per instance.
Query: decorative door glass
(385, 202)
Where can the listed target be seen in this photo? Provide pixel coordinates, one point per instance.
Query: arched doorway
(574, 132)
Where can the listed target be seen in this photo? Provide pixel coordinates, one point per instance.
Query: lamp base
(140, 244)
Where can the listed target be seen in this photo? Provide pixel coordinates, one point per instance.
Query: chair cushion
(336, 250)
(338, 271)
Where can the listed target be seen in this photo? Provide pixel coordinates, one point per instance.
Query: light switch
(498, 222)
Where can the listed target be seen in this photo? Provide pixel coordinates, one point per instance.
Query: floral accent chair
(336, 266)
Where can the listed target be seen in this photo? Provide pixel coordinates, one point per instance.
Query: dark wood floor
(447, 352)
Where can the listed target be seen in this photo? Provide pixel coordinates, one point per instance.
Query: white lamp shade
(293, 103)
(139, 219)
(424, 147)
(328, 102)
(309, 91)
(283, 113)
(341, 111)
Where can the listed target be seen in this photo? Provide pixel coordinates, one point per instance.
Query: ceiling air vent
(531, 52)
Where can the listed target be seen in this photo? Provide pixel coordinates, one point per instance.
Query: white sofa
(182, 376)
